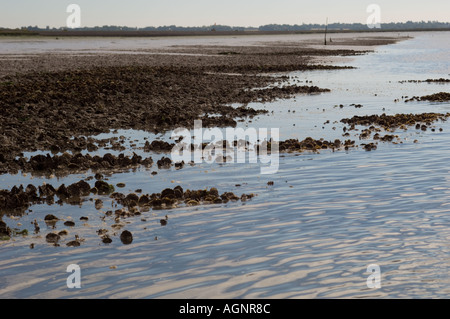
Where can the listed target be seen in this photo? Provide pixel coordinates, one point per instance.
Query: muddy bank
(51, 102)
(43, 110)
(440, 80)
(275, 56)
(170, 198)
(395, 121)
(66, 163)
(437, 97)
(17, 200)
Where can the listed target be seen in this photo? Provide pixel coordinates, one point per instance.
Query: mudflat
(48, 101)
(59, 102)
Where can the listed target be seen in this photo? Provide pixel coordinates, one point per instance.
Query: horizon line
(222, 25)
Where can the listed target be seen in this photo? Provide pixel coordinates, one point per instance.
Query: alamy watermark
(74, 19)
(237, 145)
(374, 19)
(74, 279)
(374, 280)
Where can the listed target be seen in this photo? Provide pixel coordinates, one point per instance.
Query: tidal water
(312, 234)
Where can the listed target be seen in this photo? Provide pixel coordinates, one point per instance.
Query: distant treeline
(357, 26)
(409, 25)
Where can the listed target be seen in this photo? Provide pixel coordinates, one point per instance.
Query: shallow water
(312, 234)
(23, 46)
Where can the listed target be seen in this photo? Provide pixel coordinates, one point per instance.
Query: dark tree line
(409, 25)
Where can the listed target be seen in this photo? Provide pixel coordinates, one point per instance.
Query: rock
(118, 196)
(337, 143)
(47, 190)
(131, 200)
(52, 238)
(91, 147)
(369, 147)
(51, 218)
(31, 191)
(36, 227)
(179, 188)
(104, 188)
(72, 191)
(179, 165)
(106, 239)
(169, 202)
(73, 166)
(84, 187)
(5, 231)
(437, 97)
(63, 233)
(214, 192)
(109, 158)
(143, 200)
(132, 197)
(55, 149)
(62, 191)
(156, 203)
(158, 146)
(117, 226)
(168, 192)
(74, 243)
(229, 196)
(101, 232)
(387, 138)
(126, 237)
(192, 203)
(178, 193)
(98, 204)
(79, 189)
(164, 163)
(397, 120)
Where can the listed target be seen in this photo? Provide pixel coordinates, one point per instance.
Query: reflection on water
(311, 234)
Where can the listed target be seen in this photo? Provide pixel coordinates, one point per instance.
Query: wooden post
(326, 27)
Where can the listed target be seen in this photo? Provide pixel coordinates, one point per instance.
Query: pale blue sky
(141, 13)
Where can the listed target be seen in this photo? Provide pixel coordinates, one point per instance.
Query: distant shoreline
(69, 33)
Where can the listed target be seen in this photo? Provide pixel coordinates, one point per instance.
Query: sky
(142, 13)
